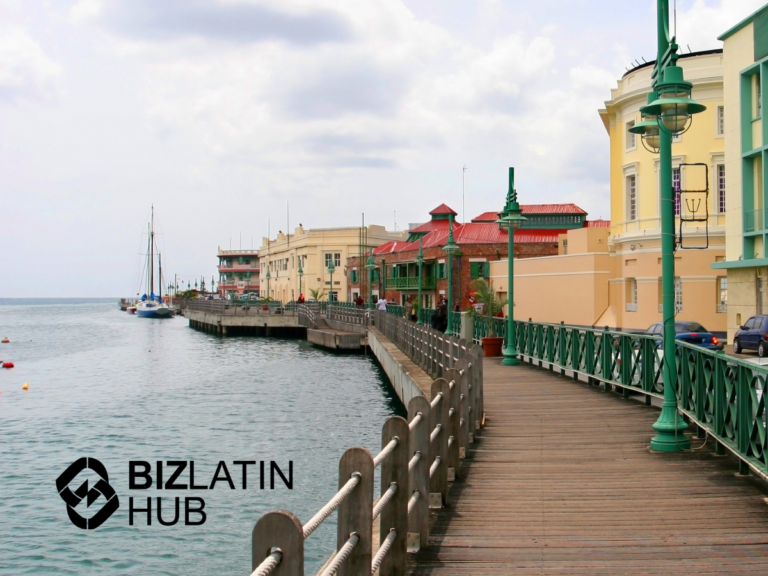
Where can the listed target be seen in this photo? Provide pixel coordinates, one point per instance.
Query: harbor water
(107, 385)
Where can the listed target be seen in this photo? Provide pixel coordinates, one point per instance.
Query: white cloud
(25, 69)
(700, 25)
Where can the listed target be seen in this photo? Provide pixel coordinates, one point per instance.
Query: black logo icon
(101, 488)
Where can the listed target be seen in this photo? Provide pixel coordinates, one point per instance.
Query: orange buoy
(25, 386)
(8, 365)
(5, 341)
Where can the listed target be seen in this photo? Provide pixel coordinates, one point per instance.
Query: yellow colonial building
(612, 277)
(313, 250)
(745, 78)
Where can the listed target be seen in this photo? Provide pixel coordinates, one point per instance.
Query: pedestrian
(408, 308)
(382, 304)
(301, 298)
(359, 301)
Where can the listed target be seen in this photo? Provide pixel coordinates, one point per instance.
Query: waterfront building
(480, 241)
(238, 272)
(612, 276)
(745, 79)
(312, 250)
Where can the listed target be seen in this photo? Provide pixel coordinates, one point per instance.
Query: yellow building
(745, 78)
(613, 278)
(314, 249)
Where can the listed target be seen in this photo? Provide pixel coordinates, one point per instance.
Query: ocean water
(111, 386)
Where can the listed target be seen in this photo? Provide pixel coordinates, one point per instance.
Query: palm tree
(317, 293)
(492, 304)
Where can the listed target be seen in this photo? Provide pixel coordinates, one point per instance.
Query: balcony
(411, 283)
(235, 267)
(754, 220)
(722, 308)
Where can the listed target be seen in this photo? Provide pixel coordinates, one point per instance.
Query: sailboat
(151, 305)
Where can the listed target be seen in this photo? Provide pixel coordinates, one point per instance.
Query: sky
(229, 115)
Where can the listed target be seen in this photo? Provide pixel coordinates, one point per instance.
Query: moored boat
(152, 305)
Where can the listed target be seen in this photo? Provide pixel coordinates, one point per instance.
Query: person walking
(382, 304)
(408, 308)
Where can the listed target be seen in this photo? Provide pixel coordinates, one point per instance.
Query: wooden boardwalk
(563, 482)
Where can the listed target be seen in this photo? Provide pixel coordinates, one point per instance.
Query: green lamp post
(301, 273)
(451, 248)
(370, 266)
(383, 279)
(331, 268)
(420, 262)
(511, 219)
(667, 114)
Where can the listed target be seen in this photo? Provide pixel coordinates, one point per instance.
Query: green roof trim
(753, 263)
(748, 20)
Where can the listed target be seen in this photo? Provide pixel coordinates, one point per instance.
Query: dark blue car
(691, 332)
(752, 336)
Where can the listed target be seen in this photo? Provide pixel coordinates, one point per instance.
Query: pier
(545, 467)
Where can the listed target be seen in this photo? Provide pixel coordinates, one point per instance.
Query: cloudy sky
(220, 112)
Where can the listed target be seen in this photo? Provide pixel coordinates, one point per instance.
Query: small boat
(151, 305)
(131, 309)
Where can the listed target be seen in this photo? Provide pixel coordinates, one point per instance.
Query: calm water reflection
(119, 388)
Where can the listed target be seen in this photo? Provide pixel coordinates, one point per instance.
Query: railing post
(356, 511)
(561, 348)
(475, 358)
(418, 519)
(454, 428)
(743, 416)
(394, 469)
(454, 376)
(279, 529)
(438, 483)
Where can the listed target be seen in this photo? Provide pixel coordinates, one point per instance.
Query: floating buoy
(8, 365)
(5, 340)
(25, 386)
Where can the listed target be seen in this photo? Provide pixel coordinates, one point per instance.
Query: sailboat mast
(160, 274)
(149, 249)
(152, 254)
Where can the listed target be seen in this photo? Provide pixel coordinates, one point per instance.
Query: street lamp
(301, 273)
(331, 268)
(370, 266)
(450, 247)
(670, 108)
(420, 262)
(511, 219)
(383, 280)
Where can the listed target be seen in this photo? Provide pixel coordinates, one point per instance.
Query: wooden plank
(562, 482)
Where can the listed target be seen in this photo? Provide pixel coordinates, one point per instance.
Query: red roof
(597, 224)
(486, 217)
(551, 209)
(443, 209)
(433, 225)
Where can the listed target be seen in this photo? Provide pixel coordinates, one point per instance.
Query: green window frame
(353, 276)
(441, 270)
(479, 270)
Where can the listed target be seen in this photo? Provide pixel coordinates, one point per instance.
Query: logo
(101, 488)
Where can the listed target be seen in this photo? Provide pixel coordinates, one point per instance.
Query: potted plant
(265, 302)
(492, 305)
(317, 294)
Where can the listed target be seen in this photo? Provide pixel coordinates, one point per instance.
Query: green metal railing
(395, 309)
(454, 320)
(481, 328)
(425, 316)
(411, 283)
(723, 395)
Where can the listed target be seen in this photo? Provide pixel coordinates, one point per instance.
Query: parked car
(691, 332)
(752, 336)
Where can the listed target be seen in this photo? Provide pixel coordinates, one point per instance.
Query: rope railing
(383, 549)
(385, 452)
(328, 509)
(386, 497)
(268, 565)
(342, 555)
(417, 460)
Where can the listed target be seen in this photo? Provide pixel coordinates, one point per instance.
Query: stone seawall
(407, 378)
